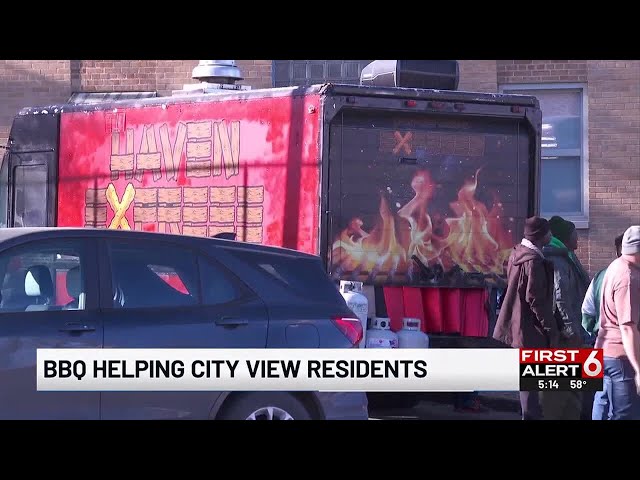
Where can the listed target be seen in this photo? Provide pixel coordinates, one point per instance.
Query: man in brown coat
(526, 317)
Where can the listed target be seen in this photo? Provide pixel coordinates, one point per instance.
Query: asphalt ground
(497, 406)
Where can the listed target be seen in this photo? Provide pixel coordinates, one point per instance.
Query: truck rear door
(414, 192)
(29, 171)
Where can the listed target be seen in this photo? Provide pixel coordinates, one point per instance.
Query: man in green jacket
(591, 303)
(570, 285)
(570, 278)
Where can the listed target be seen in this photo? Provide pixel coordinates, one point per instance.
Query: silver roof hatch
(214, 76)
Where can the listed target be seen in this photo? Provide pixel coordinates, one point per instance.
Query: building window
(309, 72)
(564, 187)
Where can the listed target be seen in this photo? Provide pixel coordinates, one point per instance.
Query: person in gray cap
(591, 324)
(619, 336)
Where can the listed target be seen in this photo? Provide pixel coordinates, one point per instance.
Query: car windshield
(4, 190)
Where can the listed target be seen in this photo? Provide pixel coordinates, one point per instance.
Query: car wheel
(264, 406)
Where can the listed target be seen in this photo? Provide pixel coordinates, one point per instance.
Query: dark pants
(620, 391)
(561, 405)
(587, 405)
(531, 407)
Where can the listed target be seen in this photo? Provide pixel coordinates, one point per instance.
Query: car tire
(264, 406)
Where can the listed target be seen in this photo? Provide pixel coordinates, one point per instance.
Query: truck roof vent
(214, 76)
(217, 71)
(429, 74)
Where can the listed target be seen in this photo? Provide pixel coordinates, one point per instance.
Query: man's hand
(631, 342)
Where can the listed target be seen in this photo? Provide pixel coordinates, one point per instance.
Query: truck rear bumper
(457, 341)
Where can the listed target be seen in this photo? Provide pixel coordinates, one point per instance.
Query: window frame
(199, 255)
(244, 292)
(4, 190)
(87, 255)
(139, 244)
(14, 176)
(309, 79)
(581, 219)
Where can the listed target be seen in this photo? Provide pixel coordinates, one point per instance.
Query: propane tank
(380, 334)
(411, 336)
(357, 302)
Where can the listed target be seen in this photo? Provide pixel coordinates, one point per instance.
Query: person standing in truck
(591, 323)
(526, 317)
(570, 286)
(619, 336)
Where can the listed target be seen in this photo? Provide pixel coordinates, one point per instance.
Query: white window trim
(581, 220)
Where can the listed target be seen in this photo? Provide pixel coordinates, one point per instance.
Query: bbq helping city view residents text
(227, 368)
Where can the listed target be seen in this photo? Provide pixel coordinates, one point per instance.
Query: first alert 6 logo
(586, 363)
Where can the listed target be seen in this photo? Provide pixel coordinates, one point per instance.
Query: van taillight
(351, 327)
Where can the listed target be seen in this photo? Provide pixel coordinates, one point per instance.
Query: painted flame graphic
(474, 239)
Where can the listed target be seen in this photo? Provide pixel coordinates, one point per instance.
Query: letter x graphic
(120, 207)
(403, 142)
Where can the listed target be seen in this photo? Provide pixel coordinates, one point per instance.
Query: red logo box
(589, 360)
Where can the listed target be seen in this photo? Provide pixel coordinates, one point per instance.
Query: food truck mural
(429, 198)
(199, 172)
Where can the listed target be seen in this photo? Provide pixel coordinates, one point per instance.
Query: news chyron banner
(333, 370)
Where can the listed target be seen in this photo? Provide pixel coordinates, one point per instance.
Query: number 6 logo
(592, 366)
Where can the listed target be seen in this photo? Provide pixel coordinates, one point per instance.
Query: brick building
(591, 165)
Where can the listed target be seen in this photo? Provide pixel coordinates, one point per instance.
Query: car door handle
(231, 322)
(77, 328)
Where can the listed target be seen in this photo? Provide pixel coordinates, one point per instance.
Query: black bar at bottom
(546, 384)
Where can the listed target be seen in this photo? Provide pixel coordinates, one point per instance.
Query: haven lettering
(208, 147)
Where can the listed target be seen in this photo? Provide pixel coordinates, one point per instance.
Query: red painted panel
(413, 307)
(432, 310)
(62, 296)
(451, 300)
(395, 306)
(442, 310)
(475, 318)
(181, 168)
